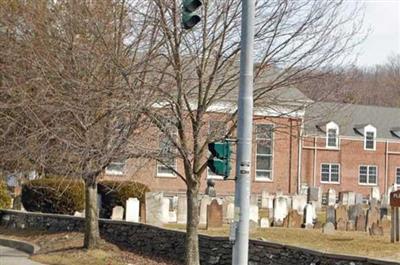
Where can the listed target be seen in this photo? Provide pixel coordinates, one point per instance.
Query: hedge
(53, 195)
(65, 196)
(117, 193)
(5, 198)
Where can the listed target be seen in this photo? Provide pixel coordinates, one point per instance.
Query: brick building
(299, 143)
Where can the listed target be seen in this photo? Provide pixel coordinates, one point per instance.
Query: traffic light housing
(219, 160)
(189, 17)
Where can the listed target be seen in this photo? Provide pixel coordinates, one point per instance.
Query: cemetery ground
(353, 243)
(66, 249)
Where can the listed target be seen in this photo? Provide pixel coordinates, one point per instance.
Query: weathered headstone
(341, 213)
(373, 216)
(265, 204)
(172, 216)
(214, 214)
(210, 190)
(354, 211)
(153, 208)
(181, 210)
(230, 212)
(132, 210)
(375, 230)
(329, 228)
(361, 222)
(293, 220)
(264, 222)
(341, 225)
(165, 206)
(375, 193)
(359, 198)
(351, 200)
(280, 210)
(299, 202)
(351, 225)
(331, 197)
(344, 198)
(330, 214)
(205, 200)
(254, 213)
(117, 213)
(309, 216)
(313, 194)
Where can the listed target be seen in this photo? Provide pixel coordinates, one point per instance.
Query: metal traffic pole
(240, 232)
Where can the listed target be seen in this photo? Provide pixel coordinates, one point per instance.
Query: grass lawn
(66, 249)
(351, 243)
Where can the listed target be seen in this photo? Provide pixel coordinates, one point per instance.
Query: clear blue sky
(382, 17)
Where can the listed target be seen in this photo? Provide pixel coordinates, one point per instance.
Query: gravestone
(373, 216)
(214, 215)
(210, 190)
(153, 208)
(329, 228)
(361, 222)
(181, 210)
(313, 194)
(264, 199)
(354, 211)
(299, 202)
(330, 214)
(293, 220)
(280, 210)
(351, 225)
(165, 206)
(385, 223)
(341, 213)
(230, 212)
(359, 198)
(117, 213)
(344, 198)
(331, 197)
(205, 200)
(375, 193)
(264, 222)
(172, 217)
(309, 216)
(341, 225)
(304, 189)
(375, 230)
(254, 213)
(132, 210)
(351, 200)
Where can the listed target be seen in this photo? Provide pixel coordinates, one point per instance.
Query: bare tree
(73, 85)
(294, 40)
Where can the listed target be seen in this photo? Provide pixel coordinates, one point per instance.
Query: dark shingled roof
(350, 116)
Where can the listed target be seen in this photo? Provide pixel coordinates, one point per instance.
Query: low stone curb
(20, 245)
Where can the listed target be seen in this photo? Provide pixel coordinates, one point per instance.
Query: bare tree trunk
(92, 234)
(192, 241)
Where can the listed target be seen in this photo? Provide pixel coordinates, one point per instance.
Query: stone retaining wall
(169, 244)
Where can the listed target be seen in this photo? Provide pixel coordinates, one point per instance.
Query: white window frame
(330, 173)
(368, 183)
(262, 179)
(116, 172)
(369, 129)
(332, 126)
(397, 176)
(210, 174)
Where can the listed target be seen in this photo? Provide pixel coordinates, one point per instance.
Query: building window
(167, 156)
(369, 137)
(330, 173)
(264, 151)
(216, 132)
(115, 168)
(398, 176)
(332, 135)
(368, 175)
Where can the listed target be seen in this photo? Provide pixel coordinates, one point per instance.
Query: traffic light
(189, 18)
(219, 161)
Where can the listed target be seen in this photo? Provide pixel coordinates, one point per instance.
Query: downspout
(290, 155)
(386, 165)
(315, 159)
(299, 155)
